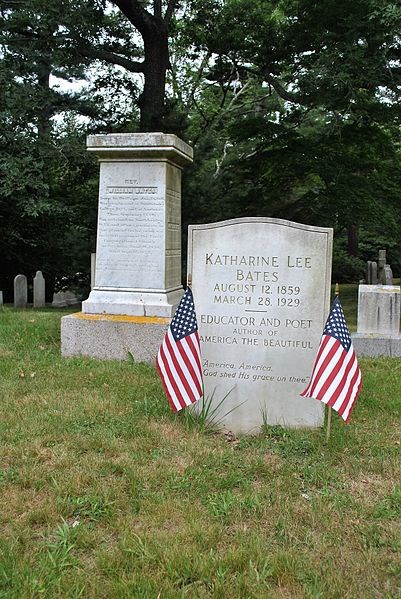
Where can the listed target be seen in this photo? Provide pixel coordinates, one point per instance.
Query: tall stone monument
(262, 295)
(137, 282)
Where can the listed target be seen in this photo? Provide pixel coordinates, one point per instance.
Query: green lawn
(106, 494)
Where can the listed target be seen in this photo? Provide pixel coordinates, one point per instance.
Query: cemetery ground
(106, 493)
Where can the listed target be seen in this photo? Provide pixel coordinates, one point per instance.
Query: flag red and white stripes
(179, 360)
(336, 377)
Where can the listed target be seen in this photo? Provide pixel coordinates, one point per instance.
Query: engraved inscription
(131, 229)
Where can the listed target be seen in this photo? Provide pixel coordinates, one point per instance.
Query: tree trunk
(353, 239)
(151, 101)
(45, 110)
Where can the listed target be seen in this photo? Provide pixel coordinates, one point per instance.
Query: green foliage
(293, 109)
(346, 268)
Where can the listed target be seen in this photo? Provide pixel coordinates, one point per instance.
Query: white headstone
(262, 292)
(138, 252)
(379, 310)
(39, 300)
(20, 291)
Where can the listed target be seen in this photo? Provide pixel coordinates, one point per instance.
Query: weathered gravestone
(59, 299)
(262, 295)
(1, 298)
(371, 273)
(20, 292)
(378, 327)
(62, 299)
(137, 282)
(39, 288)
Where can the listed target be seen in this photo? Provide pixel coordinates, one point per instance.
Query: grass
(105, 493)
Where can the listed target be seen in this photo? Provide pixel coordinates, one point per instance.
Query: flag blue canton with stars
(336, 325)
(184, 321)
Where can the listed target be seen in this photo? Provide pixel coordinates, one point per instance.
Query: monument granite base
(112, 337)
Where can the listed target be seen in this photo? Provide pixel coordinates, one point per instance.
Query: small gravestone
(380, 265)
(262, 292)
(39, 286)
(387, 275)
(371, 273)
(59, 300)
(20, 292)
(1, 298)
(71, 298)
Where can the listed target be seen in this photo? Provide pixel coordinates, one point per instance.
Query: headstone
(138, 252)
(20, 292)
(373, 276)
(382, 259)
(381, 263)
(379, 309)
(387, 275)
(378, 328)
(93, 269)
(1, 298)
(70, 298)
(137, 283)
(62, 299)
(262, 295)
(59, 300)
(371, 273)
(39, 300)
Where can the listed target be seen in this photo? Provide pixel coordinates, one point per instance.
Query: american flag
(178, 360)
(336, 378)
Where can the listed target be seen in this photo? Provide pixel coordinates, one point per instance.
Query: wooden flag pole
(328, 424)
(329, 410)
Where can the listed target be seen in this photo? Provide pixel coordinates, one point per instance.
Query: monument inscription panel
(262, 292)
(130, 228)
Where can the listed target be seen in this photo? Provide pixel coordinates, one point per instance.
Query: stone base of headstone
(112, 337)
(372, 345)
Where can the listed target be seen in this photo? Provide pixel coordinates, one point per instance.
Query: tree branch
(138, 16)
(171, 6)
(157, 8)
(111, 58)
(280, 89)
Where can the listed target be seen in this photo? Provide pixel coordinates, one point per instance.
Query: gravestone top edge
(262, 220)
(134, 145)
(379, 288)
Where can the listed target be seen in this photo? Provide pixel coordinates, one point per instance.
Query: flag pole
(329, 410)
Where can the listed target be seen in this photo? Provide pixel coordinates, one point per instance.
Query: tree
(315, 134)
(154, 29)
